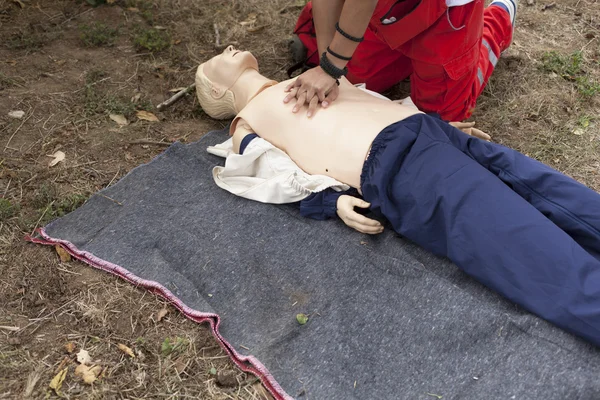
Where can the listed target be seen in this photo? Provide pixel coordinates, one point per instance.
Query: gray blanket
(387, 320)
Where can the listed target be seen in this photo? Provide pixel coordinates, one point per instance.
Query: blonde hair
(217, 105)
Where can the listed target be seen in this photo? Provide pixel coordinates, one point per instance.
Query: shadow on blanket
(387, 320)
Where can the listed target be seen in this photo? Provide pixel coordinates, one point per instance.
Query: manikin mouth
(236, 53)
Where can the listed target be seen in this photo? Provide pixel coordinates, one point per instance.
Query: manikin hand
(467, 127)
(345, 210)
(313, 87)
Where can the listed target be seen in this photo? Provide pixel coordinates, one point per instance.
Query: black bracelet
(346, 35)
(330, 69)
(336, 55)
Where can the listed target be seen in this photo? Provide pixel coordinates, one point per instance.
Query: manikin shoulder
(238, 130)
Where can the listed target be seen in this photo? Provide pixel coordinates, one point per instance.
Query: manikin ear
(217, 92)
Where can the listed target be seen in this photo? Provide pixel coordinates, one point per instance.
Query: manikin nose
(230, 48)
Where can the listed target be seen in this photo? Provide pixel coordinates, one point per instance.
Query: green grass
(7, 209)
(47, 204)
(568, 66)
(173, 346)
(571, 67)
(6, 81)
(587, 87)
(144, 7)
(98, 34)
(153, 40)
(60, 207)
(97, 102)
(25, 41)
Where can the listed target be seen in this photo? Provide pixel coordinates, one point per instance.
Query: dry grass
(67, 89)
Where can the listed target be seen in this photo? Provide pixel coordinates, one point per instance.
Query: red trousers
(449, 53)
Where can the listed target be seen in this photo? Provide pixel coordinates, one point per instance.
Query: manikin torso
(334, 142)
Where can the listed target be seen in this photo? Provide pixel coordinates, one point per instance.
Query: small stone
(227, 378)
(15, 341)
(18, 114)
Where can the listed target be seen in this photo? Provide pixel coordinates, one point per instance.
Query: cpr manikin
(331, 143)
(519, 227)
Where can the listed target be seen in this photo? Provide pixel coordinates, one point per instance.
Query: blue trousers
(518, 226)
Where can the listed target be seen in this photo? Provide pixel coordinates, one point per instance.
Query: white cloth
(267, 174)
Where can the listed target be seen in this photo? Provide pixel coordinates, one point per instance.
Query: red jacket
(397, 21)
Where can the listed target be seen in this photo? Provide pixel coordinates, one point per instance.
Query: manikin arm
(329, 202)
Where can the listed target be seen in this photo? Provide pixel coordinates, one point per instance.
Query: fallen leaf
(256, 29)
(159, 28)
(213, 371)
(177, 41)
(57, 381)
(180, 365)
(133, 9)
(161, 314)
(12, 62)
(58, 157)
(119, 119)
(88, 374)
(176, 90)
(136, 98)
(251, 19)
(81, 368)
(19, 2)
(18, 114)
(64, 257)
(126, 350)
(302, 318)
(83, 357)
(578, 131)
(70, 347)
(147, 116)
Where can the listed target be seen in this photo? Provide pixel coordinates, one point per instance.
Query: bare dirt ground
(68, 65)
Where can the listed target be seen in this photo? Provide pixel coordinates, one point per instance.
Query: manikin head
(216, 78)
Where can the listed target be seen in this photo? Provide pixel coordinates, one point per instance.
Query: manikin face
(225, 69)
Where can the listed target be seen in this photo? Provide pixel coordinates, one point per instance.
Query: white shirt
(267, 174)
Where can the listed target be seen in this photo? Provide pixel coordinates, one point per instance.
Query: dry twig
(176, 97)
